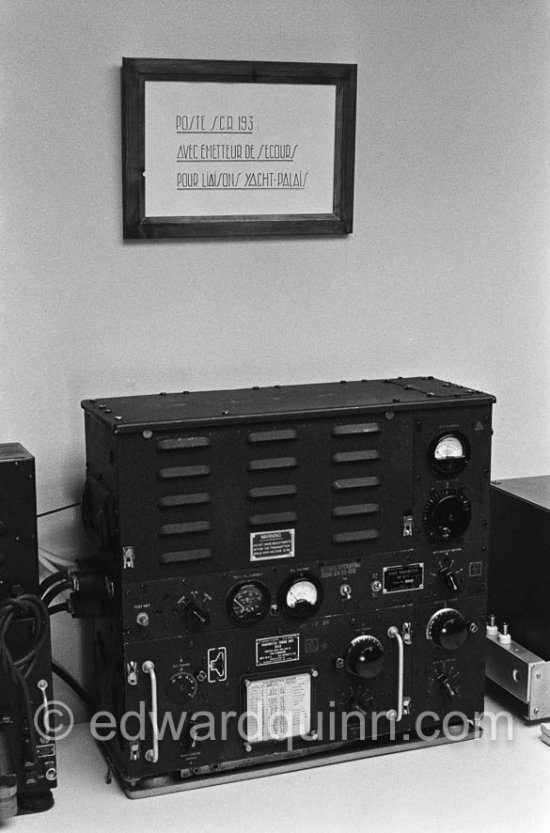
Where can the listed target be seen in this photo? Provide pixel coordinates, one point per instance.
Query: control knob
(449, 579)
(195, 617)
(365, 657)
(181, 687)
(448, 629)
(447, 514)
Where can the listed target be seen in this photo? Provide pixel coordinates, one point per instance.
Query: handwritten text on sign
(215, 149)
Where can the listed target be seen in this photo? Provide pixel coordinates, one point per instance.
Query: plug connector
(503, 635)
(92, 593)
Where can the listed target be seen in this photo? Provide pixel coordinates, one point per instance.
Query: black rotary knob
(447, 514)
(448, 629)
(181, 687)
(365, 657)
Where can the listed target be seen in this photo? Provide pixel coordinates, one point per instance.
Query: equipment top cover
(134, 413)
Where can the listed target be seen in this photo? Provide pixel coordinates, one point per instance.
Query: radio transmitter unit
(299, 574)
(27, 757)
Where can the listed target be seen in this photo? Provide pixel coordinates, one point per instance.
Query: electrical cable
(55, 590)
(18, 668)
(68, 678)
(53, 579)
(59, 509)
(58, 608)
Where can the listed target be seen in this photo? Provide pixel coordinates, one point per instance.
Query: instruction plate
(278, 708)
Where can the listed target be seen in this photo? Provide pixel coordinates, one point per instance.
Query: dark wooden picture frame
(335, 219)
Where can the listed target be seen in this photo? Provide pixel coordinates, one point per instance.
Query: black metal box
(288, 556)
(518, 656)
(27, 758)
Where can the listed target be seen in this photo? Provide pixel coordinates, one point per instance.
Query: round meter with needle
(248, 602)
(449, 453)
(300, 596)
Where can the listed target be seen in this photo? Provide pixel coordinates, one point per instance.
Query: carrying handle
(152, 755)
(397, 714)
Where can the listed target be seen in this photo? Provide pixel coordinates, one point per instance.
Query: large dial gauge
(248, 602)
(300, 596)
(449, 453)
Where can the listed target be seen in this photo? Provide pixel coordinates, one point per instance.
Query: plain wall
(446, 272)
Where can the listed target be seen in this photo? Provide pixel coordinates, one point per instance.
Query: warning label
(278, 708)
(267, 545)
(274, 649)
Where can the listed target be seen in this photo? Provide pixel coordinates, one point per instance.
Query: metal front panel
(324, 555)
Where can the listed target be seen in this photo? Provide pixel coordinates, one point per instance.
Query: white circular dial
(449, 447)
(302, 592)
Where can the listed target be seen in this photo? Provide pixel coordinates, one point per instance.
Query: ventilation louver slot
(273, 463)
(259, 492)
(272, 436)
(358, 509)
(176, 472)
(179, 443)
(356, 456)
(355, 536)
(356, 483)
(350, 430)
(185, 528)
(184, 556)
(193, 499)
(272, 519)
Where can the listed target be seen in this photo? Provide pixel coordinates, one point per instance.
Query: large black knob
(365, 657)
(447, 514)
(448, 629)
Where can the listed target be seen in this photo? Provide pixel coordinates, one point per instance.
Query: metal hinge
(407, 526)
(128, 558)
(131, 673)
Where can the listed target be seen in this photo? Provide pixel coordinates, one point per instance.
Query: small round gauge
(248, 602)
(300, 596)
(449, 453)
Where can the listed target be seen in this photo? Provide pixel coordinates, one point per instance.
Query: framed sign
(228, 148)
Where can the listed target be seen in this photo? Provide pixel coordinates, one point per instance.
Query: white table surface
(488, 784)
